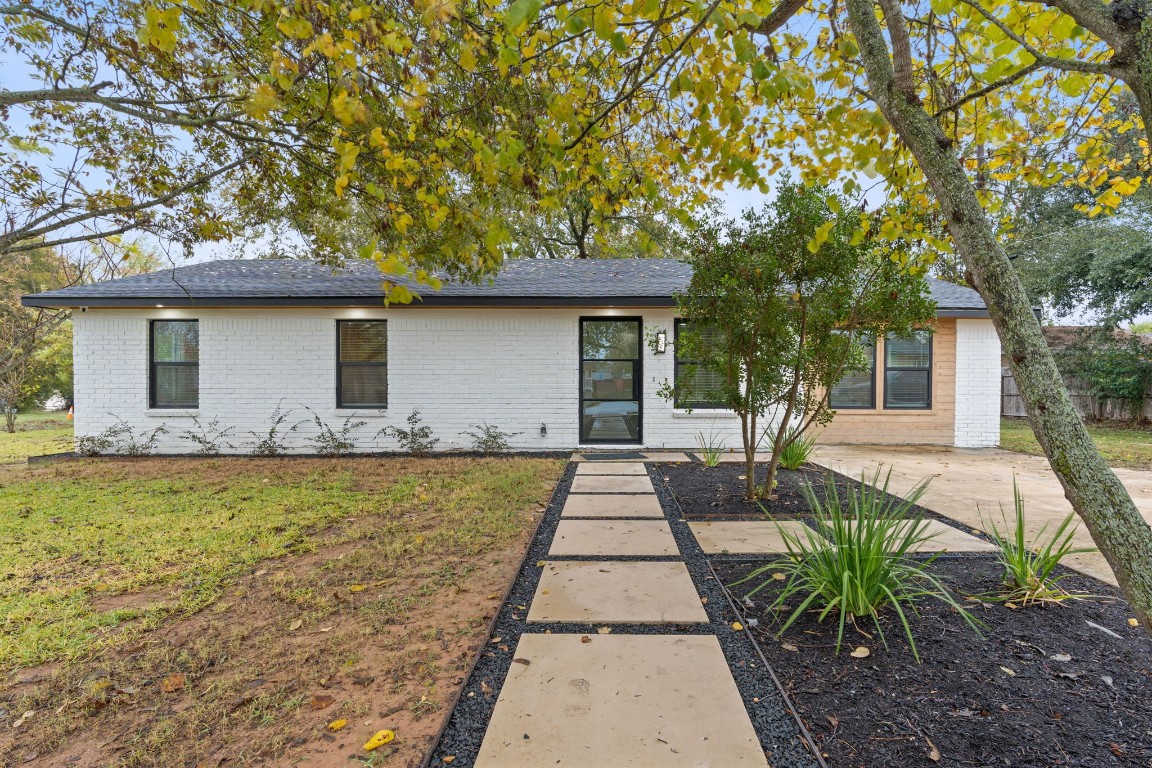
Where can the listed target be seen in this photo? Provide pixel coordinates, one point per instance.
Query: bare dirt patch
(374, 623)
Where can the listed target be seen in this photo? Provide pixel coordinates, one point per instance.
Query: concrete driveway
(969, 485)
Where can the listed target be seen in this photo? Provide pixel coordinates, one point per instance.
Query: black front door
(610, 380)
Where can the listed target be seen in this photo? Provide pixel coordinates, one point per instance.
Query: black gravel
(777, 729)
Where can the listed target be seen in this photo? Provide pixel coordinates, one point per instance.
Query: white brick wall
(977, 384)
(515, 369)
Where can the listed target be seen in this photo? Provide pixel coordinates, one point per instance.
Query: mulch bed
(717, 493)
(1011, 697)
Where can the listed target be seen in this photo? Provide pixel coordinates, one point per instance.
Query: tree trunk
(10, 419)
(1095, 492)
(749, 456)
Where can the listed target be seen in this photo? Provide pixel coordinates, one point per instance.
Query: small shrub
(272, 442)
(416, 439)
(797, 449)
(101, 443)
(330, 441)
(208, 437)
(487, 438)
(711, 448)
(864, 568)
(131, 445)
(1028, 570)
(120, 438)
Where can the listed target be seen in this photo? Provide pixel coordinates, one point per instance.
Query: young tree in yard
(777, 306)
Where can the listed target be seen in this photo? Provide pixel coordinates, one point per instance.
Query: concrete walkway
(969, 485)
(618, 696)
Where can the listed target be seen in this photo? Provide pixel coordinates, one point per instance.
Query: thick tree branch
(1043, 59)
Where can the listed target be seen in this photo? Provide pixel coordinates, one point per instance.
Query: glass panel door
(610, 381)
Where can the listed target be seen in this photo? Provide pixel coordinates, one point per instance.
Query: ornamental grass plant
(857, 560)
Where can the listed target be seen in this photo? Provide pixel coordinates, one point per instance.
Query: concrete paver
(611, 484)
(610, 468)
(970, 484)
(745, 537)
(605, 505)
(643, 701)
(608, 592)
(613, 538)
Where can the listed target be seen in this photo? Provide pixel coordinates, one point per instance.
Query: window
(362, 364)
(174, 353)
(858, 388)
(907, 371)
(696, 387)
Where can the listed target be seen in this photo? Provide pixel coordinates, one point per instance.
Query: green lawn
(78, 534)
(37, 433)
(1129, 447)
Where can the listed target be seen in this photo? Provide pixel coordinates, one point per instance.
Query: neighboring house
(560, 352)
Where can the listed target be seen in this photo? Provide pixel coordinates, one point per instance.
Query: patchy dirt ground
(362, 628)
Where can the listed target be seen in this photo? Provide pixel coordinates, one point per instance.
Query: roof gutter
(377, 302)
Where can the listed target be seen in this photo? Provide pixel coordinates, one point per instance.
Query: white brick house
(559, 352)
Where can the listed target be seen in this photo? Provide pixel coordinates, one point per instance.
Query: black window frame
(928, 369)
(154, 365)
(872, 398)
(340, 367)
(677, 403)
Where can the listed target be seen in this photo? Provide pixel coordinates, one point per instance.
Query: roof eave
(136, 302)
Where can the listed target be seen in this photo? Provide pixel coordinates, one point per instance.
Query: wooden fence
(1090, 407)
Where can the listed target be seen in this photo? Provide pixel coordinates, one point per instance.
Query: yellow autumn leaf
(737, 626)
(380, 739)
(262, 101)
(337, 725)
(356, 588)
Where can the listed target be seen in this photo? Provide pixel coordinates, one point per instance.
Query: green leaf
(522, 12)
(604, 23)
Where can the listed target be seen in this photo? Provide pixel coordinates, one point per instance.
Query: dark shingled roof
(521, 282)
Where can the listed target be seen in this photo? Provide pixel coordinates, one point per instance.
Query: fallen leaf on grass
(172, 683)
(337, 725)
(380, 739)
(322, 701)
(295, 625)
(24, 718)
(356, 587)
(860, 652)
(1009, 672)
(326, 629)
